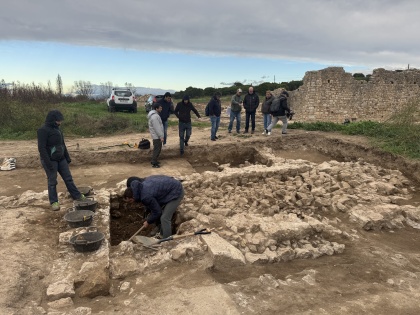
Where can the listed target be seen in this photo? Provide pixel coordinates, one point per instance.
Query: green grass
(18, 121)
(88, 118)
(399, 135)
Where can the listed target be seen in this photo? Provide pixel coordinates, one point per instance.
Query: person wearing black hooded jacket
(280, 114)
(55, 158)
(183, 112)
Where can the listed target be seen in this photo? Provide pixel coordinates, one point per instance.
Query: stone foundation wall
(333, 95)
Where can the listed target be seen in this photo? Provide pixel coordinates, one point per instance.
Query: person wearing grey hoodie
(157, 132)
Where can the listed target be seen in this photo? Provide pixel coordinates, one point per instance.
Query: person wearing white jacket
(157, 132)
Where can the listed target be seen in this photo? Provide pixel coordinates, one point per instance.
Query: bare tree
(106, 89)
(131, 87)
(83, 88)
(59, 85)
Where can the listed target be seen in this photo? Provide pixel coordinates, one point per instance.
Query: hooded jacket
(284, 108)
(154, 192)
(155, 125)
(51, 144)
(215, 107)
(183, 111)
(167, 109)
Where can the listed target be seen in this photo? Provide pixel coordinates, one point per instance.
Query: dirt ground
(378, 273)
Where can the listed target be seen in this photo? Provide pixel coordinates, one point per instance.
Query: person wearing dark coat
(265, 109)
(250, 104)
(167, 109)
(55, 158)
(280, 114)
(183, 112)
(215, 110)
(160, 194)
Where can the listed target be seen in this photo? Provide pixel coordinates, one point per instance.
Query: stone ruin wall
(333, 95)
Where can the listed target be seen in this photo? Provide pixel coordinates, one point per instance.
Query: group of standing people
(158, 123)
(158, 117)
(250, 103)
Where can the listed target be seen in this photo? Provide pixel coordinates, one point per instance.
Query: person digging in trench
(160, 194)
(55, 158)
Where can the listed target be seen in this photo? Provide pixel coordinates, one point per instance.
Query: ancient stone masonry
(333, 95)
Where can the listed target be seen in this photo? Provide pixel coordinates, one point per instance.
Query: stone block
(224, 255)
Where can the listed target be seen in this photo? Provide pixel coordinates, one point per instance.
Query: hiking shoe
(246, 131)
(186, 143)
(252, 132)
(182, 152)
(284, 133)
(81, 198)
(229, 131)
(216, 137)
(155, 165)
(55, 206)
(213, 139)
(268, 133)
(264, 133)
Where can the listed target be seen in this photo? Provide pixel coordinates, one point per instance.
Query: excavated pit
(126, 218)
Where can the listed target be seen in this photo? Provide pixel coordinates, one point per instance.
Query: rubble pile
(291, 210)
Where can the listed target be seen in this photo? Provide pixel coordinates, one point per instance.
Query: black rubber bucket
(87, 241)
(88, 204)
(79, 218)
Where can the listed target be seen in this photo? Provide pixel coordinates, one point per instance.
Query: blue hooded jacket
(154, 192)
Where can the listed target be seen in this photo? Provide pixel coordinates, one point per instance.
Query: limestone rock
(97, 284)
(59, 290)
(224, 255)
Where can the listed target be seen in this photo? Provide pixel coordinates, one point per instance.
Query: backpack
(207, 110)
(144, 144)
(275, 105)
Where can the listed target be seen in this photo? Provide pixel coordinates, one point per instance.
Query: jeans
(165, 131)
(215, 122)
(157, 147)
(61, 167)
(247, 116)
(185, 130)
(233, 116)
(274, 122)
(167, 214)
(267, 120)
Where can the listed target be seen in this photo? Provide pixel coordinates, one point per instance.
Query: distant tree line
(260, 89)
(361, 76)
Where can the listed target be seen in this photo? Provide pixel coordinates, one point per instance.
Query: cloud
(375, 33)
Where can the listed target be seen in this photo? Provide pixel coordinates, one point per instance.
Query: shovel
(149, 241)
(139, 230)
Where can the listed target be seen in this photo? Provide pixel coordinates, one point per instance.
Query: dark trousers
(247, 116)
(62, 168)
(157, 147)
(185, 131)
(167, 214)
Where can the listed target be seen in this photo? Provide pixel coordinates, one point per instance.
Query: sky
(172, 45)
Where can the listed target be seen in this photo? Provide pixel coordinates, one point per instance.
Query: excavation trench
(126, 218)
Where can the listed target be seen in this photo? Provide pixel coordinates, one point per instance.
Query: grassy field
(399, 135)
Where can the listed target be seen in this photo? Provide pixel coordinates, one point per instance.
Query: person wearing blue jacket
(215, 110)
(160, 194)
